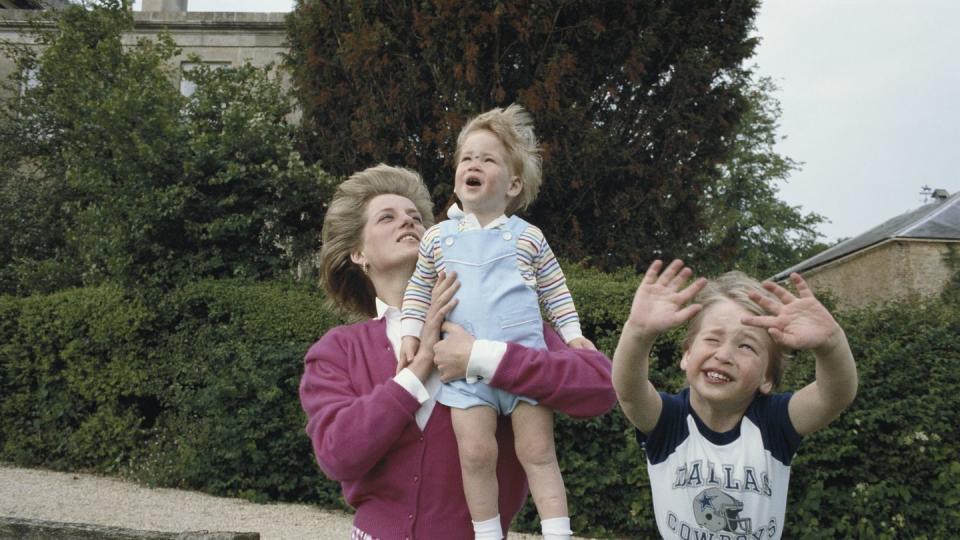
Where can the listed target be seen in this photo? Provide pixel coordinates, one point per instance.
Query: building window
(30, 79)
(187, 86)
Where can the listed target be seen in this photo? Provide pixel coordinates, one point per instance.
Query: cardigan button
(409, 516)
(416, 478)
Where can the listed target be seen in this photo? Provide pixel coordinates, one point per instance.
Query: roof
(938, 220)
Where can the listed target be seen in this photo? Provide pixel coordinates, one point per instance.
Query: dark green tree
(637, 103)
(116, 176)
(748, 227)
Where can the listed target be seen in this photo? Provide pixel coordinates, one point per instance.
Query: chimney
(165, 6)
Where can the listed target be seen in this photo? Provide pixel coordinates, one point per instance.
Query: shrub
(199, 390)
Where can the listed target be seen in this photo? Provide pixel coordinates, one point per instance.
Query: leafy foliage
(889, 466)
(643, 109)
(117, 177)
(749, 228)
(200, 391)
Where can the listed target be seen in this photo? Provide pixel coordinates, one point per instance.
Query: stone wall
(222, 37)
(895, 269)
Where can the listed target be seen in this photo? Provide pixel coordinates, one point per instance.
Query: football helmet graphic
(717, 511)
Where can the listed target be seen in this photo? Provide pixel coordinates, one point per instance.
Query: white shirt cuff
(412, 384)
(485, 357)
(570, 332)
(410, 327)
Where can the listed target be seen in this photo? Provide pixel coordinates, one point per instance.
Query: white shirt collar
(384, 309)
(471, 221)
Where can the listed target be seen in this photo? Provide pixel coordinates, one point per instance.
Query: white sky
(869, 92)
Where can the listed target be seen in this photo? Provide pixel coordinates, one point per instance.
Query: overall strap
(517, 225)
(448, 227)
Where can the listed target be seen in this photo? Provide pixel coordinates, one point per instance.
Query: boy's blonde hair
(736, 286)
(344, 281)
(514, 127)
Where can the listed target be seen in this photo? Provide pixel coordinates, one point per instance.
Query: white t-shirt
(721, 486)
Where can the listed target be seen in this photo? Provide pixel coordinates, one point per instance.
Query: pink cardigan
(404, 483)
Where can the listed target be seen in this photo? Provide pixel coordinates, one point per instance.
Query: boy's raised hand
(799, 322)
(660, 301)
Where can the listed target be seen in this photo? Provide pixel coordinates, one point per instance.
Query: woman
(377, 431)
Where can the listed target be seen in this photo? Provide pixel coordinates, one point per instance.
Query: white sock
(556, 528)
(488, 530)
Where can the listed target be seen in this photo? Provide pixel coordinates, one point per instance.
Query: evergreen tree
(116, 176)
(637, 103)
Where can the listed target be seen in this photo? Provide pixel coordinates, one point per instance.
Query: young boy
(506, 271)
(719, 452)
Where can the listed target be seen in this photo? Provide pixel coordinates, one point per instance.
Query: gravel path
(98, 500)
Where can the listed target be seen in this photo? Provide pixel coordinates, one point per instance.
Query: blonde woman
(380, 433)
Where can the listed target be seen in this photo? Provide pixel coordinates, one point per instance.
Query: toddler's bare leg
(476, 431)
(533, 434)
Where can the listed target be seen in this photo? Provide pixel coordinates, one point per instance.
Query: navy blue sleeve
(670, 431)
(771, 414)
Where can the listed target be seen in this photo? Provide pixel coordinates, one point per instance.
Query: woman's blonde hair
(514, 127)
(344, 281)
(736, 287)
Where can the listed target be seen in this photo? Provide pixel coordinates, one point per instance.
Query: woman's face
(391, 234)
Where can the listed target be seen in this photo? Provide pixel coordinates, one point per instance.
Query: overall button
(507, 235)
(448, 241)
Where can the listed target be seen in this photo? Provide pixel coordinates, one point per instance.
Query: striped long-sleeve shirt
(538, 266)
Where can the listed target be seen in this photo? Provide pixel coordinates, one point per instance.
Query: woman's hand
(582, 343)
(452, 353)
(442, 301)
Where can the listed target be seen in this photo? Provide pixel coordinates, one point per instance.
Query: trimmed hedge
(199, 390)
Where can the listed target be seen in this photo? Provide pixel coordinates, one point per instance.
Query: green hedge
(198, 389)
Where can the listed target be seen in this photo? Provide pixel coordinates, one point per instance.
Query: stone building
(913, 255)
(217, 38)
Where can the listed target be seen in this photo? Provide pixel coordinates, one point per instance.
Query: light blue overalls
(494, 303)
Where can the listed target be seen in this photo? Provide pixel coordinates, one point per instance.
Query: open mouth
(408, 236)
(716, 377)
(473, 182)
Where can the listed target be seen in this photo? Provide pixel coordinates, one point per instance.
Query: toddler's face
(483, 182)
(727, 361)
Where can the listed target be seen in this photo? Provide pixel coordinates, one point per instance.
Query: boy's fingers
(803, 289)
(688, 312)
(781, 338)
(687, 294)
(670, 272)
(651, 274)
(766, 303)
(784, 295)
(682, 277)
(761, 321)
